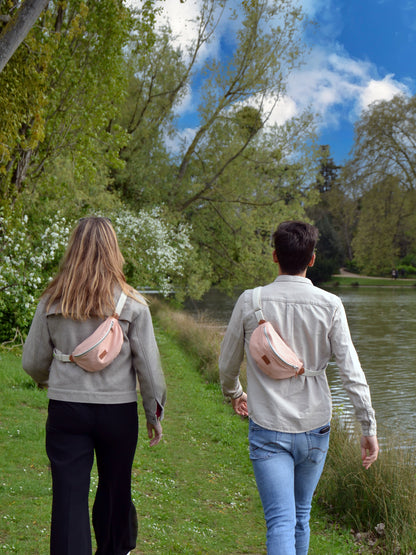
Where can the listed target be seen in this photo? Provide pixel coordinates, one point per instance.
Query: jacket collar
(293, 279)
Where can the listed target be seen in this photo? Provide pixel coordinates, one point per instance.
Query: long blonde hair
(91, 268)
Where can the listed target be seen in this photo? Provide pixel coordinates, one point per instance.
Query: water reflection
(383, 328)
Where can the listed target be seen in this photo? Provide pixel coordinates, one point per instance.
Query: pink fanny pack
(100, 348)
(270, 353)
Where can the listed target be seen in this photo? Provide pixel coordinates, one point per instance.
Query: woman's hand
(154, 433)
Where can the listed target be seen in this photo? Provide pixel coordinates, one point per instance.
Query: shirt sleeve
(146, 361)
(38, 348)
(351, 372)
(232, 353)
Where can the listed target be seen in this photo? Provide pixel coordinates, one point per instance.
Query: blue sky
(362, 51)
(380, 33)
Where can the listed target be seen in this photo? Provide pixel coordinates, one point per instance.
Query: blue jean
(287, 468)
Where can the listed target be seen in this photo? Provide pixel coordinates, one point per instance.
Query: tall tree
(382, 174)
(19, 21)
(331, 250)
(235, 175)
(375, 243)
(385, 143)
(59, 97)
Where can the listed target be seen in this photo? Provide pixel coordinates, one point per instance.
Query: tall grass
(379, 503)
(199, 336)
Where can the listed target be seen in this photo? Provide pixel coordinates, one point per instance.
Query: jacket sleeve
(146, 362)
(38, 348)
(351, 373)
(232, 353)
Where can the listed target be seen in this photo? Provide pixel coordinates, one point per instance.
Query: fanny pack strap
(120, 304)
(257, 304)
(119, 307)
(60, 356)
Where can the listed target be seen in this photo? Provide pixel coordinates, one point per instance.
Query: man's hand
(369, 450)
(154, 433)
(240, 405)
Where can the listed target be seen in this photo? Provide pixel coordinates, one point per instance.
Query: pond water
(383, 328)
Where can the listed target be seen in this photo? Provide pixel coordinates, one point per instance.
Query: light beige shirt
(314, 324)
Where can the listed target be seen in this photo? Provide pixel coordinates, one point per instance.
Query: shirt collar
(293, 279)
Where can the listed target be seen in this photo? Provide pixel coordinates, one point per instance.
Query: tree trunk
(18, 27)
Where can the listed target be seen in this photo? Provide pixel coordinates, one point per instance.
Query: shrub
(406, 270)
(156, 254)
(24, 269)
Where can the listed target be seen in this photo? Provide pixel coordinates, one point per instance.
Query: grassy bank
(378, 505)
(362, 281)
(194, 493)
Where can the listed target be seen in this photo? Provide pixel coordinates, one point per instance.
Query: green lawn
(343, 281)
(195, 492)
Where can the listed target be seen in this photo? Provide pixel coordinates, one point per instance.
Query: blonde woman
(94, 412)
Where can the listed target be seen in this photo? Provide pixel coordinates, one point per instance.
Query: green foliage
(406, 270)
(26, 264)
(155, 251)
(383, 169)
(59, 101)
(384, 143)
(237, 176)
(375, 242)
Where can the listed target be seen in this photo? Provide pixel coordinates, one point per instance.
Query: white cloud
(331, 84)
(337, 88)
(383, 89)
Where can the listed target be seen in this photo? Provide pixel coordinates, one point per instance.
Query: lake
(383, 328)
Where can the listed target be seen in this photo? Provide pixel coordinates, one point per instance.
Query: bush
(156, 255)
(25, 269)
(406, 270)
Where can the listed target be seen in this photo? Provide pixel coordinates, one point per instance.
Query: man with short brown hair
(290, 418)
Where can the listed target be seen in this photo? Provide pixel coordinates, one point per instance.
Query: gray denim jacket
(115, 384)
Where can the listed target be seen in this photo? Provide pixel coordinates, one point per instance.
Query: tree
(385, 143)
(59, 98)
(237, 175)
(382, 175)
(17, 27)
(331, 251)
(375, 242)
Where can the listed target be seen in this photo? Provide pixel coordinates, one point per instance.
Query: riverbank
(194, 493)
(348, 279)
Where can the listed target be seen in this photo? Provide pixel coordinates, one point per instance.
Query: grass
(360, 281)
(194, 493)
(381, 501)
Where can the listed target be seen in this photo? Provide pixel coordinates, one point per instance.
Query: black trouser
(73, 432)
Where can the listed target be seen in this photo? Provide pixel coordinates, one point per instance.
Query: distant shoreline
(348, 279)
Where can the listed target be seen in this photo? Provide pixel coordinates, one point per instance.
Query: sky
(361, 51)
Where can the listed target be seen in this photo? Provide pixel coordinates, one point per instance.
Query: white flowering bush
(155, 254)
(155, 251)
(26, 264)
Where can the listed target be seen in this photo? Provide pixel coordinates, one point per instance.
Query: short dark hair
(294, 243)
